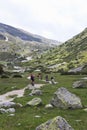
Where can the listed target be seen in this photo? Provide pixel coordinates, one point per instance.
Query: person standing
(32, 77)
(47, 79)
(52, 80)
(39, 76)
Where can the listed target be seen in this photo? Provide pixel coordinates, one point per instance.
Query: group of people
(32, 78)
(52, 81)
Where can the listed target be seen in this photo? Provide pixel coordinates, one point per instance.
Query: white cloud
(56, 19)
(48, 34)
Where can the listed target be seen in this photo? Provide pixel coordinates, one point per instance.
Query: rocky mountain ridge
(16, 42)
(24, 35)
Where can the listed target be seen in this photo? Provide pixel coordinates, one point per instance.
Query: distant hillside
(17, 42)
(24, 35)
(71, 54)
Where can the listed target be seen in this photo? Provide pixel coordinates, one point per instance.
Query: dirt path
(19, 93)
(7, 96)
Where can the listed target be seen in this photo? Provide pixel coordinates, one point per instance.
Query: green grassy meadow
(24, 118)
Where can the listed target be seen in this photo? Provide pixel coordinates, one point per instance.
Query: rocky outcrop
(75, 70)
(57, 123)
(66, 100)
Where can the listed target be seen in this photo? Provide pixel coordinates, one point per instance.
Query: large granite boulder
(66, 100)
(35, 102)
(57, 123)
(80, 84)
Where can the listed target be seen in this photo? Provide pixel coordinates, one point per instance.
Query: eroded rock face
(66, 100)
(57, 123)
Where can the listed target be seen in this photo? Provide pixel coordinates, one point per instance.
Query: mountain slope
(24, 35)
(14, 41)
(71, 54)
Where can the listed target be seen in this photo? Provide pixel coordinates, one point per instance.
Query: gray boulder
(78, 69)
(57, 123)
(9, 104)
(2, 110)
(66, 100)
(49, 106)
(36, 92)
(80, 84)
(9, 110)
(35, 102)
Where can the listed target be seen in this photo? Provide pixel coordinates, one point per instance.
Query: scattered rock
(10, 110)
(35, 102)
(80, 84)
(78, 120)
(19, 124)
(11, 114)
(36, 92)
(2, 110)
(85, 109)
(48, 106)
(57, 123)
(66, 100)
(84, 78)
(7, 104)
(37, 116)
(18, 105)
(78, 69)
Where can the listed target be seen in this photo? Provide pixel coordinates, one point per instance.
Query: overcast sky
(54, 19)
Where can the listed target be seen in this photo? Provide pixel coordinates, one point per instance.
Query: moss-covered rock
(65, 99)
(57, 123)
